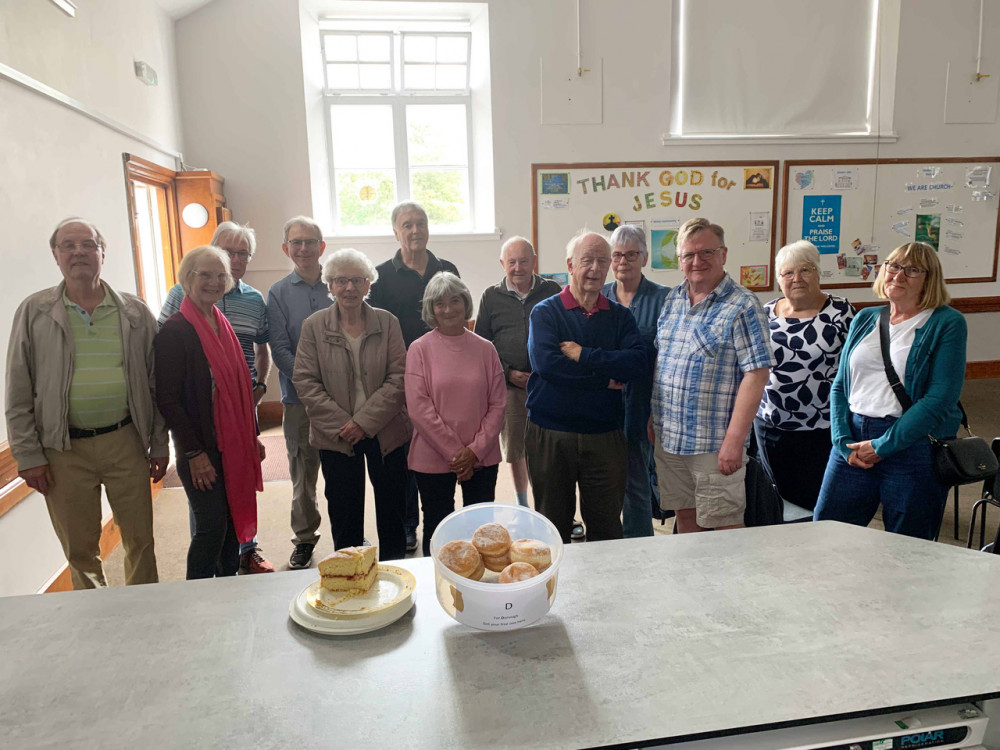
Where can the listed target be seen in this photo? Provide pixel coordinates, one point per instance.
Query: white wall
(266, 160)
(56, 163)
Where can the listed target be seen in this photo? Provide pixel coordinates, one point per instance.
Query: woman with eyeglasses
(881, 451)
(808, 328)
(348, 374)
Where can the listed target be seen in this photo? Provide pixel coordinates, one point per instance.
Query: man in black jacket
(503, 319)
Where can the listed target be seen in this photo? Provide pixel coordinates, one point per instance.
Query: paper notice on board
(978, 177)
(804, 179)
(555, 204)
(760, 226)
(844, 179)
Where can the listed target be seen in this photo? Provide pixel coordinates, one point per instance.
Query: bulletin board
(742, 197)
(858, 211)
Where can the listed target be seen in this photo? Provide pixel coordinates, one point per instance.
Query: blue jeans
(637, 510)
(904, 483)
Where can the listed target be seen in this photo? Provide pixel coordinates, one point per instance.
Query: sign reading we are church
(659, 197)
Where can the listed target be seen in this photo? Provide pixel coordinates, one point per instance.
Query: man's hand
(650, 432)
(463, 463)
(158, 467)
(352, 432)
(730, 457)
(862, 455)
(614, 385)
(571, 349)
(258, 394)
(261, 450)
(203, 474)
(39, 478)
(518, 378)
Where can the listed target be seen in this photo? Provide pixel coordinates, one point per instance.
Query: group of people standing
(632, 396)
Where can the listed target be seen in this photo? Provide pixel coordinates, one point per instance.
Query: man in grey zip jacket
(80, 407)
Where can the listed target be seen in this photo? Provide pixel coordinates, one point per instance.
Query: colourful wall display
(659, 197)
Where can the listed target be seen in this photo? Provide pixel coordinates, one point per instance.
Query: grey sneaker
(411, 540)
(302, 556)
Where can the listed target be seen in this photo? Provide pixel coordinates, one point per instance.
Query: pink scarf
(235, 426)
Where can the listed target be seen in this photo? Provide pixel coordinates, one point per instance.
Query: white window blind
(774, 67)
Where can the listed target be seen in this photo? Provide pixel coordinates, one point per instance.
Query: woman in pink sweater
(455, 396)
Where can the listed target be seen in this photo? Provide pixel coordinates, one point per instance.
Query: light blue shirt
(702, 352)
(289, 302)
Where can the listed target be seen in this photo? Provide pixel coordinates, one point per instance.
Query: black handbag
(957, 460)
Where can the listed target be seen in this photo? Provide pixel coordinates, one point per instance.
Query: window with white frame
(399, 123)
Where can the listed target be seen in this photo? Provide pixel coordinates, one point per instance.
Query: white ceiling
(180, 8)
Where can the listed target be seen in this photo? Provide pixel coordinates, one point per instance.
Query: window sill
(762, 140)
(436, 238)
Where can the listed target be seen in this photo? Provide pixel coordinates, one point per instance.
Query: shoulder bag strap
(890, 372)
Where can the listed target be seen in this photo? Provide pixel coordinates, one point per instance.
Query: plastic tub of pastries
(487, 604)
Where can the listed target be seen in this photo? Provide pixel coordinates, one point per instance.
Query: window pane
(419, 77)
(365, 198)
(376, 77)
(444, 194)
(373, 48)
(452, 49)
(342, 76)
(362, 136)
(340, 48)
(418, 48)
(451, 77)
(437, 134)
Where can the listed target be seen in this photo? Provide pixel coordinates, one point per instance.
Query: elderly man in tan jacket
(349, 375)
(80, 410)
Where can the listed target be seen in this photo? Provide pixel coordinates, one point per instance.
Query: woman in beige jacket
(349, 375)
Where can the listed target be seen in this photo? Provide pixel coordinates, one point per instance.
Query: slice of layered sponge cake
(350, 569)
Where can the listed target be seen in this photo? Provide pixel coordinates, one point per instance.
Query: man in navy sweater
(582, 348)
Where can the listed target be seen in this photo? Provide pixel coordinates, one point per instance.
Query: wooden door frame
(138, 169)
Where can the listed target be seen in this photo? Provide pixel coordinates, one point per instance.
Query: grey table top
(648, 639)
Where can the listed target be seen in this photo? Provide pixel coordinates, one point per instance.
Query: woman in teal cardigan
(881, 452)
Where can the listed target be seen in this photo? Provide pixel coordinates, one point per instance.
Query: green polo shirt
(98, 396)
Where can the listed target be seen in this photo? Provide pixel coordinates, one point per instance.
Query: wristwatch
(258, 384)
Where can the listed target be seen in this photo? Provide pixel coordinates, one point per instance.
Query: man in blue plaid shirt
(713, 359)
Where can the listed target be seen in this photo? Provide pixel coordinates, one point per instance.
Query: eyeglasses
(343, 281)
(88, 246)
(911, 272)
(802, 271)
(311, 244)
(705, 254)
(238, 254)
(630, 256)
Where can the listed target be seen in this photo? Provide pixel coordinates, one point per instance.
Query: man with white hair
(582, 348)
(80, 407)
(289, 302)
(246, 311)
(714, 358)
(503, 316)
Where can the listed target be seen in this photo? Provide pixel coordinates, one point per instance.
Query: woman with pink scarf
(204, 392)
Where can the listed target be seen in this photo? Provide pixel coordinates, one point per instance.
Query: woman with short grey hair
(455, 396)
(349, 376)
(808, 329)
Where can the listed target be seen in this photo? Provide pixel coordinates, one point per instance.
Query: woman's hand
(862, 455)
(463, 463)
(352, 432)
(203, 474)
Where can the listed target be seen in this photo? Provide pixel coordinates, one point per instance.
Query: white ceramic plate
(334, 613)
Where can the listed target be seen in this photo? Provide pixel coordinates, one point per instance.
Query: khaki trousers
(118, 461)
(303, 467)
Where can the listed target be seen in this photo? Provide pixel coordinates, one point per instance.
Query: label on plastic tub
(497, 610)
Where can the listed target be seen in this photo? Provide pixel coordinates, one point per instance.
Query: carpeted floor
(980, 398)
